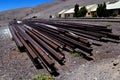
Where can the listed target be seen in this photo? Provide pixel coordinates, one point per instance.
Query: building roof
(109, 6)
(61, 12)
(93, 7)
(115, 5)
(70, 11)
(89, 8)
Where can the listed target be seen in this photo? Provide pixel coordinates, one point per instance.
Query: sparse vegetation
(102, 11)
(114, 15)
(108, 25)
(44, 77)
(76, 54)
(76, 10)
(82, 12)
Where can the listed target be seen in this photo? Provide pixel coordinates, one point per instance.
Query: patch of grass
(108, 25)
(44, 77)
(76, 54)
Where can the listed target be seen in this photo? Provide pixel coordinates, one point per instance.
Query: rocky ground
(15, 65)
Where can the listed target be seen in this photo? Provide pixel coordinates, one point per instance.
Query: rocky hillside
(43, 11)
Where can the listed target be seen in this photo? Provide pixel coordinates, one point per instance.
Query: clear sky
(12, 4)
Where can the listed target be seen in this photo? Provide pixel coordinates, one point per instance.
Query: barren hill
(43, 11)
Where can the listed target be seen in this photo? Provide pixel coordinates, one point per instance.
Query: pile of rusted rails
(58, 31)
(16, 39)
(97, 29)
(96, 32)
(45, 40)
(70, 42)
(56, 42)
(61, 25)
(40, 53)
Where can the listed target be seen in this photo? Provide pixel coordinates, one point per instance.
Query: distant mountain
(16, 13)
(44, 10)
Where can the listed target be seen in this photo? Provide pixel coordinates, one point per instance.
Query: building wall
(117, 11)
(114, 11)
(88, 14)
(61, 16)
(69, 15)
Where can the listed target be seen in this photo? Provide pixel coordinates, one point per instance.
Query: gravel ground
(105, 66)
(100, 70)
(13, 64)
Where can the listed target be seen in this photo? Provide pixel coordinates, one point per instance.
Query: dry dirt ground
(105, 66)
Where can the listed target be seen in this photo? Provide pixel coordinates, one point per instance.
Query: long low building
(112, 7)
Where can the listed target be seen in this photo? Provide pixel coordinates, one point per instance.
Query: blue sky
(12, 4)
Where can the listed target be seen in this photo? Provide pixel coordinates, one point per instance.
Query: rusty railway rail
(85, 30)
(17, 41)
(45, 40)
(35, 51)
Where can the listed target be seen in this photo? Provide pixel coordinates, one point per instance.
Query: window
(88, 13)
